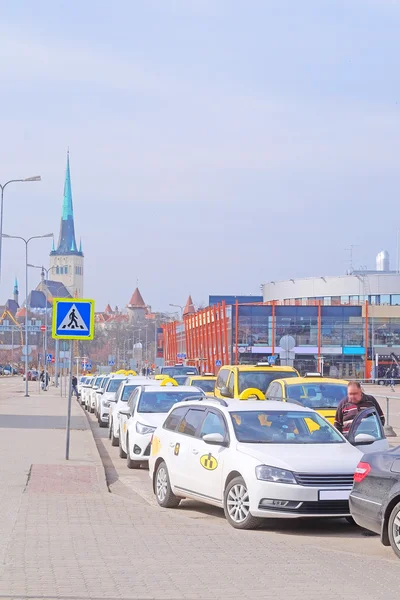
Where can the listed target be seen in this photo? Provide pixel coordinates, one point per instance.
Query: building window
(354, 300)
(345, 299)
(57, 270)
(327, 300)
(385, 298)
(395, 299)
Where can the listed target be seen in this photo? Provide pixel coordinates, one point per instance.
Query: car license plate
(334, 494)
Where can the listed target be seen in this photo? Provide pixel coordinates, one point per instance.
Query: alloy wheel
(396, 530)
(238, 503)
(161, 484)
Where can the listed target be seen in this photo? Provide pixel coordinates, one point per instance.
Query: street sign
(271, 360)
(53, 360)
(43, 328)
(73, 319)
(218, 363)
(181, 355)
(111, 363)
(49, 358)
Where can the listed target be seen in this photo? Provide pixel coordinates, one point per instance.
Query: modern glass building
(340, 340)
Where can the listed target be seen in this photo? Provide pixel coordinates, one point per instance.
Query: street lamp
(179, 306)
(45, 316)
(26, 242)
(2, 187)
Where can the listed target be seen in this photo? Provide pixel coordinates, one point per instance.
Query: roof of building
(12, 306)
(189, 307)
(21, 312)
(37, 300)
(57, 289)
(66, 240)
(136, 301)
(108, 310)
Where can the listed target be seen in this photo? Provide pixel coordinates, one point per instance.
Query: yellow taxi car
(205, 382)
(249, 381)
(322, 394)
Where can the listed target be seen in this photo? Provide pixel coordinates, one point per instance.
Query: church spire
(66, 241)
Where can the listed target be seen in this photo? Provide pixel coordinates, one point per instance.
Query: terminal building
(338, 325)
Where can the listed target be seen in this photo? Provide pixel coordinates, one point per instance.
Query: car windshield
(172, 371)
(104, 382)
(161, 402)
(127, 391)
(317, 395)
(261, 379)
(113, 385)
(283, 427)
(207, 385)
(180, 379)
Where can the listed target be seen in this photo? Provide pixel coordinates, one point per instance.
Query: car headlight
(275, 475)
(143, 429)
(106, 403)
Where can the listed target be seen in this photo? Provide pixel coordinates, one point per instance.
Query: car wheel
(237, 506)
(101, 424)
(122, 454)
(164, 494)
(131, 464)
(394, 529)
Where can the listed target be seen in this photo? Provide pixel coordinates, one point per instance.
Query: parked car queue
(282, 459)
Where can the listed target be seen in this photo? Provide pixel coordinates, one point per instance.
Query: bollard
(388, 429)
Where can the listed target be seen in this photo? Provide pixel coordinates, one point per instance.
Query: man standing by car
(352, 405)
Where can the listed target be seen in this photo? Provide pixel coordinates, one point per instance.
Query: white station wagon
(259, 459)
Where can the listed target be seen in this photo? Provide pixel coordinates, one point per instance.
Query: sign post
(73, 319)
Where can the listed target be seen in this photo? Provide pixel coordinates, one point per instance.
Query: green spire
(67, 205)
(80, 245)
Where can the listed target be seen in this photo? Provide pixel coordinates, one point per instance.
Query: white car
(259, 459)
(91, 396)
(145, 411)
(107, 397)
(81, 382)
(99, 392)
(85, 390)
(122, 397)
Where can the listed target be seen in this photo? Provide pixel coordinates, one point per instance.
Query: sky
(215, 145)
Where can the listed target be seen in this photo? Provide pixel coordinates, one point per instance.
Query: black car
(375, 497)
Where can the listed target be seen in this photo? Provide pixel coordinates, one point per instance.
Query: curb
(101, 472)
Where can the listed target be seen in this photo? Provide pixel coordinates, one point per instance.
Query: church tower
(66, 261)
(16, 291)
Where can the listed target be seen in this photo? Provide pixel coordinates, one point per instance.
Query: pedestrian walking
(44, 378)
(75, 386)
(355, 401)
(144, 371)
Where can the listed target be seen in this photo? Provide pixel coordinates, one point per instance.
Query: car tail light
(362, 470)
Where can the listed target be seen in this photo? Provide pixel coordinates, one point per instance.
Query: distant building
(67, 261)
(137, 308)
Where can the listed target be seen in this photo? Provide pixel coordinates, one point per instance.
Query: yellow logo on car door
(209, 462)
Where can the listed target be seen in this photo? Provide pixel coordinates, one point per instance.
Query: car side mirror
(215, 439)
(125, 411)
(364, 439)
(225, 392)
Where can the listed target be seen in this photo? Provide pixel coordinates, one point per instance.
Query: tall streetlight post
(180, 337)
(26, 242)
(2, 188)
(44, 270)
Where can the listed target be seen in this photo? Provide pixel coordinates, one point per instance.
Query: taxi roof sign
(73, 319)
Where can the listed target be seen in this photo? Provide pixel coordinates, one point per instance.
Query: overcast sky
(215, 144)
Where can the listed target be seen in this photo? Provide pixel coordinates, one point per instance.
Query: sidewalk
(63, 535)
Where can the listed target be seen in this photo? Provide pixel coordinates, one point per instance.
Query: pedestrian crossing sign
(73, 319)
